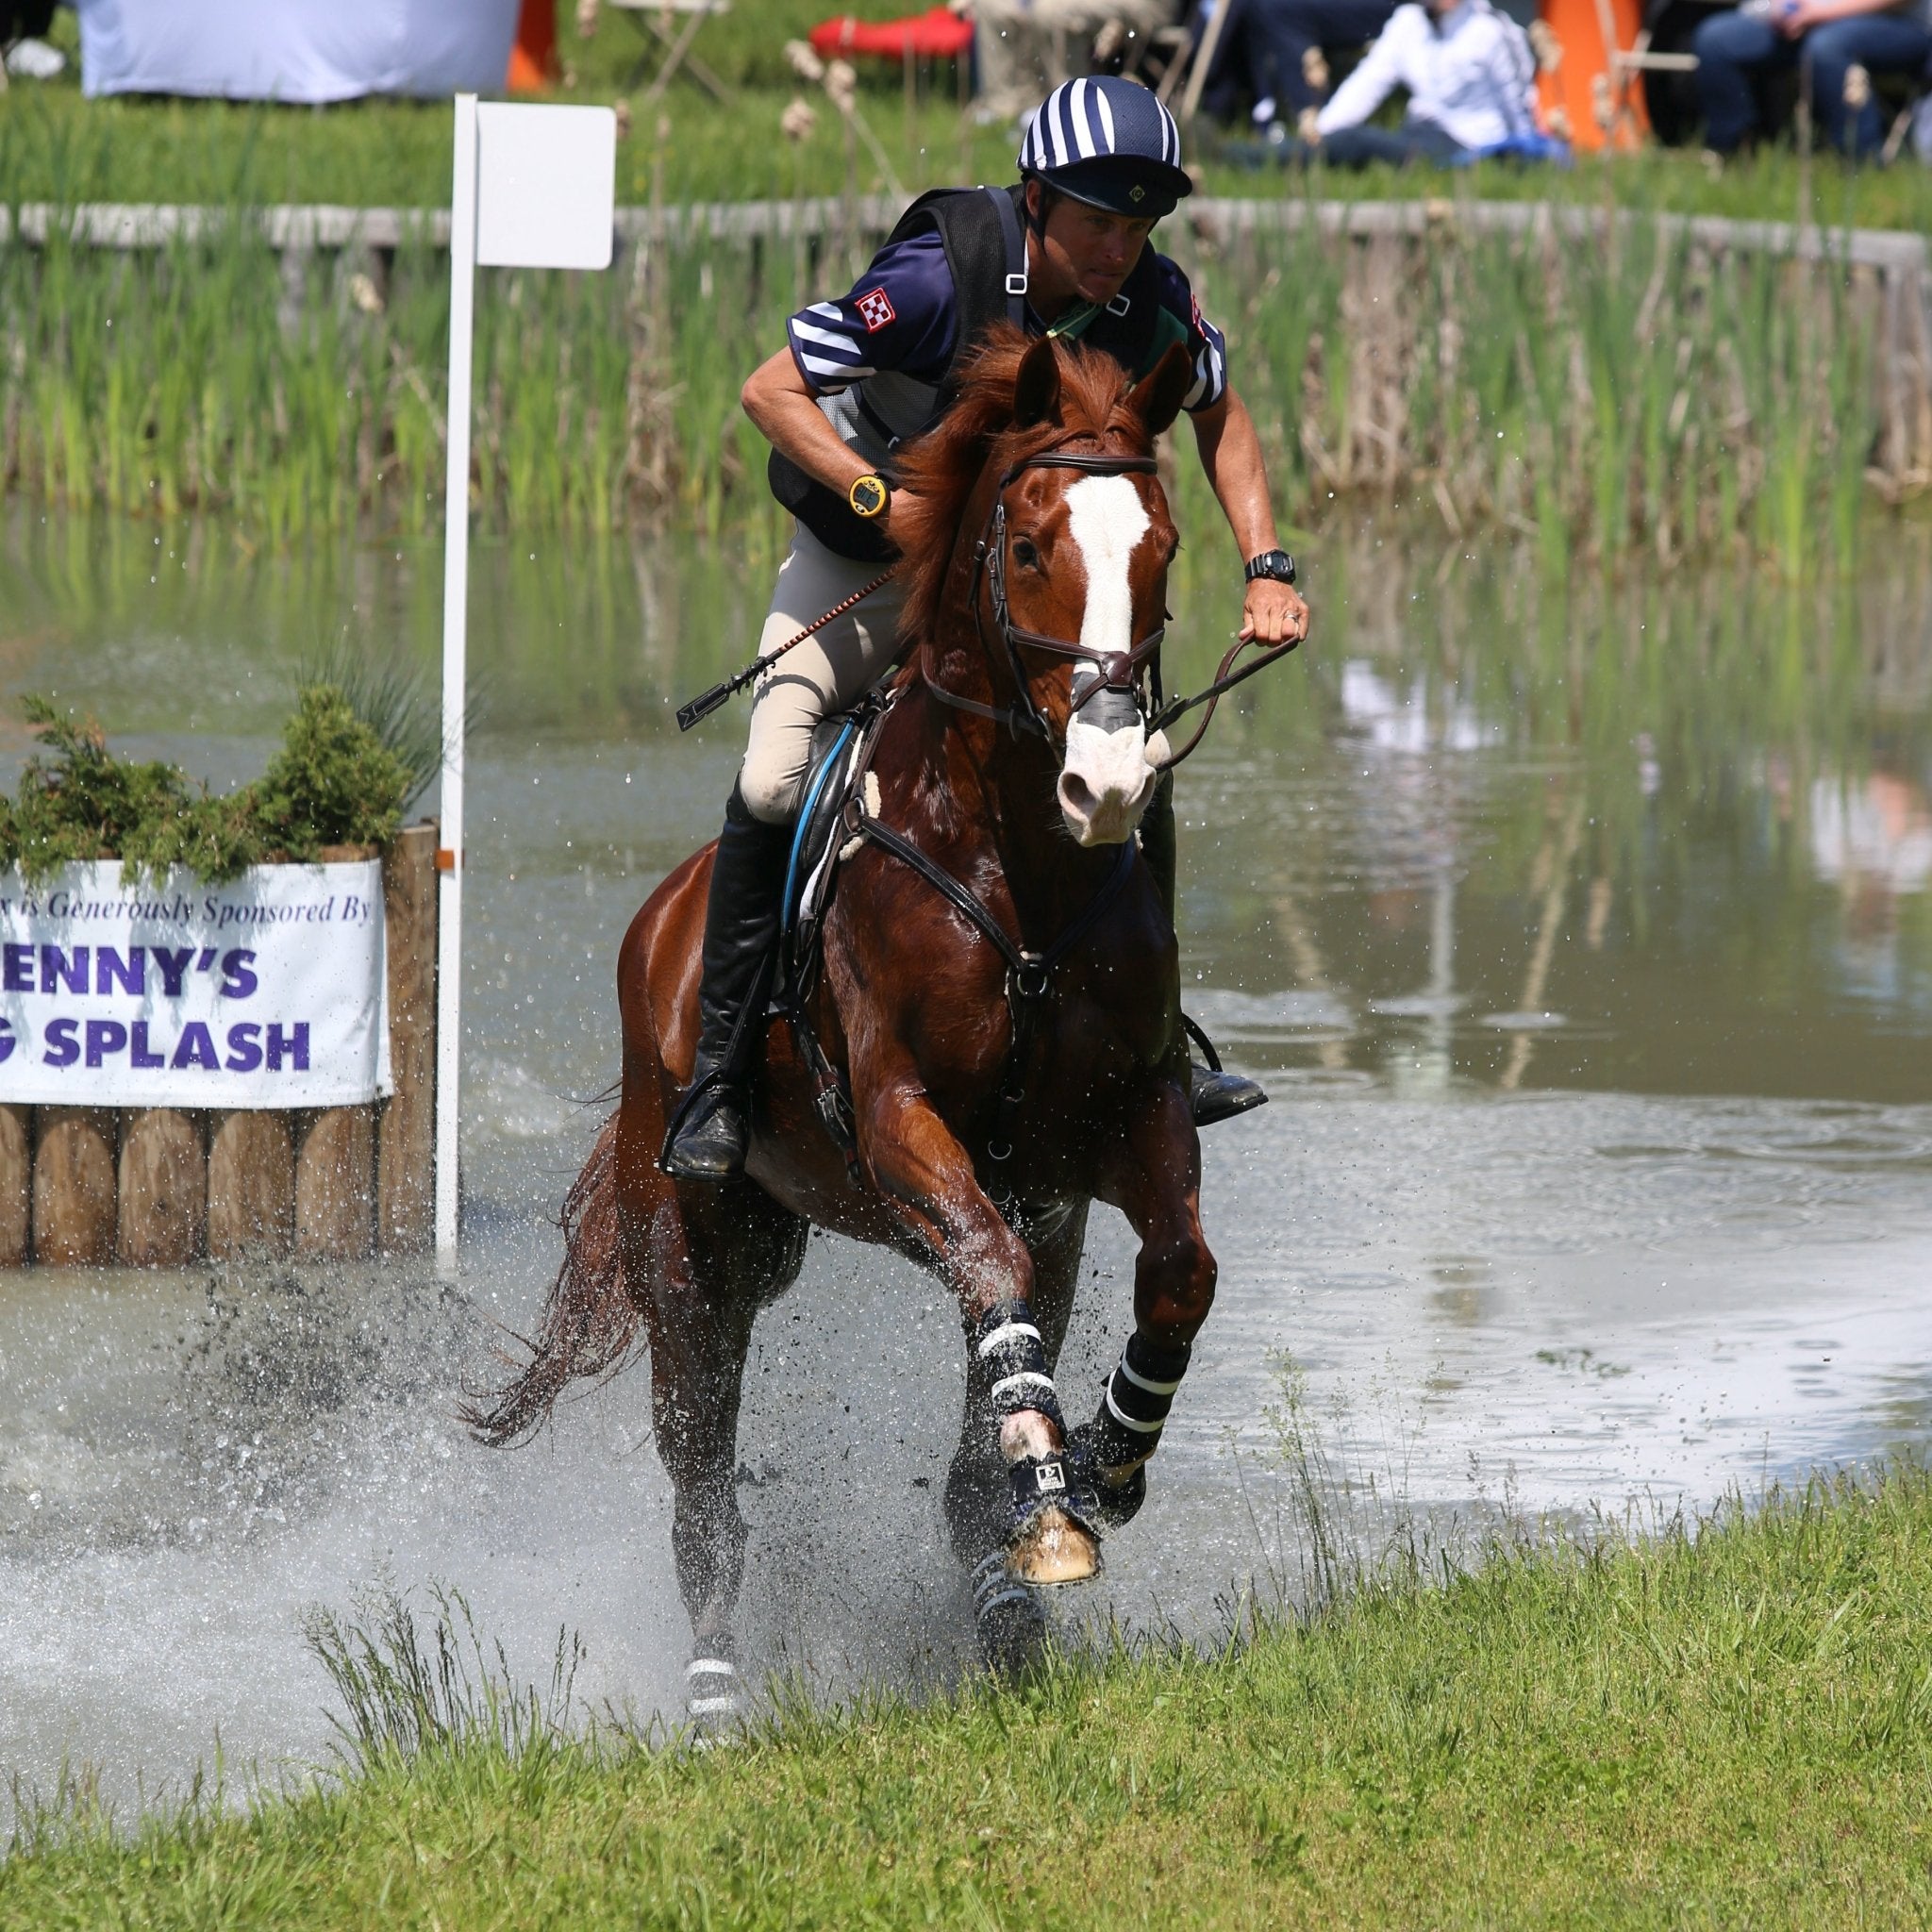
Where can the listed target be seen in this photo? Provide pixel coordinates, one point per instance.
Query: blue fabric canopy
(295, 50)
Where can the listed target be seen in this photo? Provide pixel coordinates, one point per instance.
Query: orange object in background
(533, 58)
(1579, 30)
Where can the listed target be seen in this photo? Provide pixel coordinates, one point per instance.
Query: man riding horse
(1062, 252)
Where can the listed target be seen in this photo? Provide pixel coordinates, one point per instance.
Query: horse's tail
(591, 1323)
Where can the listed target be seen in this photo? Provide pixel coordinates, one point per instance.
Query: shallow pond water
(1582, 932)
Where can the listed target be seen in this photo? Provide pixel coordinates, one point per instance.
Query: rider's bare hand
(1273, 613)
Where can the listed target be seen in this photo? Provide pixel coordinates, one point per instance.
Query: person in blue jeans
(1268, 43)
(1734, 50)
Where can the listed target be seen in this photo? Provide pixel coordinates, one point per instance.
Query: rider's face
(1089, 251)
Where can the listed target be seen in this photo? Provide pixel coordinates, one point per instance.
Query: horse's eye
(1025, 553)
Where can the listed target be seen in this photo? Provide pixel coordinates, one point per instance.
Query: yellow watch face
(868, 495)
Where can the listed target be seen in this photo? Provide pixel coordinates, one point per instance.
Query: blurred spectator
(22, 25)
(1273, 49)
(1844, 42)
(1028, 47)
(1470, 77)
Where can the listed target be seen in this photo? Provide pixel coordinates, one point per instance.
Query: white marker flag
(268, 991)
(546, 186)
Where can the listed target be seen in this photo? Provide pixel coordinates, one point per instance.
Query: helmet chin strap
(1048, 195)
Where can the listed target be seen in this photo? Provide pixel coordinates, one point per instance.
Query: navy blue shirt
(900, 315)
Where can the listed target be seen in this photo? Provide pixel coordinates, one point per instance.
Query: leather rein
(1119, 671)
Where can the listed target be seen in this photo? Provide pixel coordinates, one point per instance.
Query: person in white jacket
(1471, 76)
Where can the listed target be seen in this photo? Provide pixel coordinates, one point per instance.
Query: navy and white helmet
(1110, 142)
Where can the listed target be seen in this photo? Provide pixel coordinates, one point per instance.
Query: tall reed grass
(1647, 394)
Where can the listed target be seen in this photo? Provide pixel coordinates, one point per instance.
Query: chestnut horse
(999, 994)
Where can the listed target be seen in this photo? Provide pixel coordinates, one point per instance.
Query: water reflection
(1585, 930)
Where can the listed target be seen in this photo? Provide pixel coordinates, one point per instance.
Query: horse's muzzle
(1106, 779)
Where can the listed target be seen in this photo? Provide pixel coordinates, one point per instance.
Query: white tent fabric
(295, 50)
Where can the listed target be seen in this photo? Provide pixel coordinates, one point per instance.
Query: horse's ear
(1036, 388)
(1156, 397)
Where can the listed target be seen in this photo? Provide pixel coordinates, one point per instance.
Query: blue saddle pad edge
(816, 785)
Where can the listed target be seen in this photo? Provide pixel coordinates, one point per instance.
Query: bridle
(1118, 670)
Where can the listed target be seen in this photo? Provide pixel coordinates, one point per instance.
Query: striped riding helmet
(1110, 142)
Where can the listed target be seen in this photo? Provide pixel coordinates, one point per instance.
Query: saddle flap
(831, 746)
(841, 750)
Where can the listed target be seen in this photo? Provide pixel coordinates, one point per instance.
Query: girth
(1029, 974)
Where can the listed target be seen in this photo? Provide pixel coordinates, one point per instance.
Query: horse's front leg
(1154, 1178)
(1016, 1492)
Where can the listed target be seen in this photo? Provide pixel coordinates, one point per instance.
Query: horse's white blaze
(1105, 518)
(1106, 778)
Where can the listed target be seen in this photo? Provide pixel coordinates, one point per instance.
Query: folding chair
(657, 17)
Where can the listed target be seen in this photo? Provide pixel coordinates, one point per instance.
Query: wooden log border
(159, 1186)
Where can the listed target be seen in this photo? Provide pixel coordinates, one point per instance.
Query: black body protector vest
(983, 232)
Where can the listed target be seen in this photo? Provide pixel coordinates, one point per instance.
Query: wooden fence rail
(161, 1186)
(305, 227)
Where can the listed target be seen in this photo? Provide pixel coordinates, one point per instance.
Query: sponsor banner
(268, 991)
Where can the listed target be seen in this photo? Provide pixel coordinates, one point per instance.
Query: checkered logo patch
(1049, 1475)
(875, 309)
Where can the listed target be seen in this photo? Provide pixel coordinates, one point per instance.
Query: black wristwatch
(1276, 564)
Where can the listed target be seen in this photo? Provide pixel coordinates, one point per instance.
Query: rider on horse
(1064, 253)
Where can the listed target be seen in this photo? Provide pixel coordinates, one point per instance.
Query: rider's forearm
(1231, 456)
(788, 418)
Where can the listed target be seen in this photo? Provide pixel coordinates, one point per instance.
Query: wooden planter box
(162, 1186)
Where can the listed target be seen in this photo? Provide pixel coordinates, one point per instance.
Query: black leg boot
(711, 1129)
(1215, 1095)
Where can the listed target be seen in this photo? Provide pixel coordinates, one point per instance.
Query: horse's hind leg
(710, 1271)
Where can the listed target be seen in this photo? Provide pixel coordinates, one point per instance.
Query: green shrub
(334, 782)
(86, 803)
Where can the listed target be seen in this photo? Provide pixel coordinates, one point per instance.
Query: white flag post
(533, 187)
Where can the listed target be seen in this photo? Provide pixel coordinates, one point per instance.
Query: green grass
(54, 145)
(1734, 1728)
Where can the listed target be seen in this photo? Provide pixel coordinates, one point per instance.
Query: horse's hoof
(1117, 1502)
(1051, 1549)
(1009, 1616)
(1056, 1533)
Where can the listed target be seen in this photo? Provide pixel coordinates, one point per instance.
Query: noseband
(1119, 671)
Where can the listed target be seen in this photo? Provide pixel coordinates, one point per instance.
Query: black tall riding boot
(1214, 1095)
(711, 1128)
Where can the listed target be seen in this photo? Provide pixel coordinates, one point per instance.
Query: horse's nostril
(1077, 795)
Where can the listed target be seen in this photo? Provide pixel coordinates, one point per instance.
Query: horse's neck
(990, 797)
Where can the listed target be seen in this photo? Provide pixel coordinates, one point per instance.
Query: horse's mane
(944, 466)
